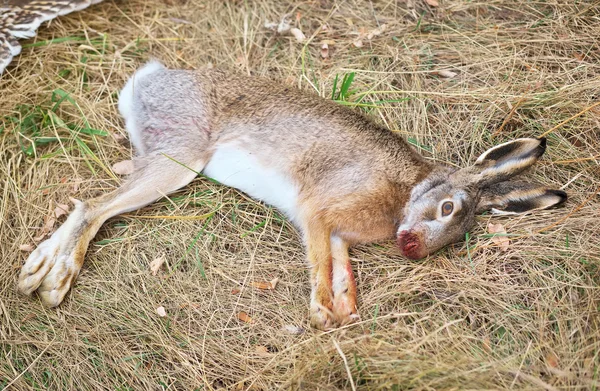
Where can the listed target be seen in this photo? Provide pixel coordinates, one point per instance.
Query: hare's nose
(405, 234)
(410, 244)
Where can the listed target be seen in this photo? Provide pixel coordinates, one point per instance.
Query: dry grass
(524, 319)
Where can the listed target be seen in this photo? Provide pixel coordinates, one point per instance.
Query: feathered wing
(21, 18)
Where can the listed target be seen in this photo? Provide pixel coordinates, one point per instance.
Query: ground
(454, 78)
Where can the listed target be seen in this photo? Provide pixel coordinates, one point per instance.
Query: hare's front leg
(53, 267)
(318, 249)
(343, 283)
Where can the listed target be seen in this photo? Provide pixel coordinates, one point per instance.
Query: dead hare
(338, 176)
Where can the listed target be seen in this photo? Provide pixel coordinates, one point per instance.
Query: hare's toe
(51, 270)
(344, 308)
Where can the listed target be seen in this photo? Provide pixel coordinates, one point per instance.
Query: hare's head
(442, 208)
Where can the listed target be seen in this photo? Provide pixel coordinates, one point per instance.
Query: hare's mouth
(411, 245)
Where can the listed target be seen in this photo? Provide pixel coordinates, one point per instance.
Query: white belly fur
(236, 167)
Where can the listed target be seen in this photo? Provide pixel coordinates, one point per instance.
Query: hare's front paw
(322, 318)
(344, 307)
(321, 313)
(51, 269)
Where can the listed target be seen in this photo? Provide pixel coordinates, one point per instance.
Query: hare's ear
(518, 197)
(506, 160)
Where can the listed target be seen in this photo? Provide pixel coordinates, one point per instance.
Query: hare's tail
(126, 98)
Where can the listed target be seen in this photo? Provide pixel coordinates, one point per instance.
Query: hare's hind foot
(53, 267)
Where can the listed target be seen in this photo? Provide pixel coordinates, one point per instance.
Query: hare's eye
(447, 208)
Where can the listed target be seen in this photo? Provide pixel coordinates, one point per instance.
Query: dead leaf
(74, 188)
(552, 360)
(180, 21)
(433, 3)
(358, 43)
(274, 282)
(261, 285)
(119, 138)
(191, 305)
(156, 264)
(500, 240)
(262, 350)
(487, 344)
(298, 34)
(280, 27)
(266, 285)
(284, 26)
(579, 57)
(161, 311)
(588, 363)
(244, 317)
(26, 248)
(28, 317)
(271, 25)
(60, 210)
(324, 50)
(294, 330)
(123, 168)
(377, 31)
(46, 229)
(445, 73)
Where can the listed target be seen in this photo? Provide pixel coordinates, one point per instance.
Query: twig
(30, 365)
(577, 208)
(570, 118)
(518, 372)
(510, 115)
(534, 380)
(343, 356)
(166, 217)
(583, 159)
(570, 213)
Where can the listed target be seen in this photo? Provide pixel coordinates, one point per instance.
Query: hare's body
(337, 175)
(275, 143)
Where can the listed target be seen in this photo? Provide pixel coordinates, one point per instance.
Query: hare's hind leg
(53, 267)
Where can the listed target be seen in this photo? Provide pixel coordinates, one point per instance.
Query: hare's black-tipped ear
(518, 197)
(506, 160)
